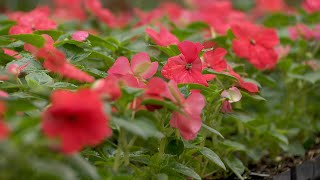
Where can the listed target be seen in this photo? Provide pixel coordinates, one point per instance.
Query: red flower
(95, 7)
(55, 61)
(141, 67)
(77, 119)
(148, 17)
(80, 35)
(108, 87)
(4, 130)
(311, 5)
(250, 87)
(189, 123)
(38, 19)
(218, 14)
(163, 38)
(270, 5)
(256, 44)
(69, 10)
(186, 67)
(214, 59)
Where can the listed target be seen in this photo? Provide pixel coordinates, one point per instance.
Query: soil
(266, 168)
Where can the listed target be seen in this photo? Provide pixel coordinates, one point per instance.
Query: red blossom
(69, 10)
(148, 17)
(186, 67)
(189, 123)
(311, 5)
(77, 119)
(219, 14)
(55, 61)
(141, 67)
(215, 59)
(106, 16)
(38, 19)
(265, 6)
(256, 44)
(250, 87)
(108, 87)
(4, 130)
(162, 38)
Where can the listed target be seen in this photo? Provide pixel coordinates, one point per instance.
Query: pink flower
(283, 51)
(226, 107)
(3, 94)
(163, 38)
(186, 67)
(300, 30)
(189, 123)
(15, 69)
(80, 35)
(11, 53)
(311, 5)
(141, 67)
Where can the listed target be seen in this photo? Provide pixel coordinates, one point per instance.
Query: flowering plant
(200, 92)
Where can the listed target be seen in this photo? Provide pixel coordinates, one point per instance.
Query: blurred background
(25, 5)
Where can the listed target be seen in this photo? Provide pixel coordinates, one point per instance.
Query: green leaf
(63, 85)
(108, 60)
(53, 33)
(4, 58)
(212, 156)
(311, 77)
(212, 130)
(84, 166)
(242, 116)
(235, 165)
(5, 26)
(253, 96)
(279, 20)
(180, 168)
(210, 71)
(174, 147)
(198, 26)
(33, 39)
(98, 41)
(171, 50)
(141, 127)
(36, 79)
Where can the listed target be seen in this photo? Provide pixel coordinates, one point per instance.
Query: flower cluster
(110, 80)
